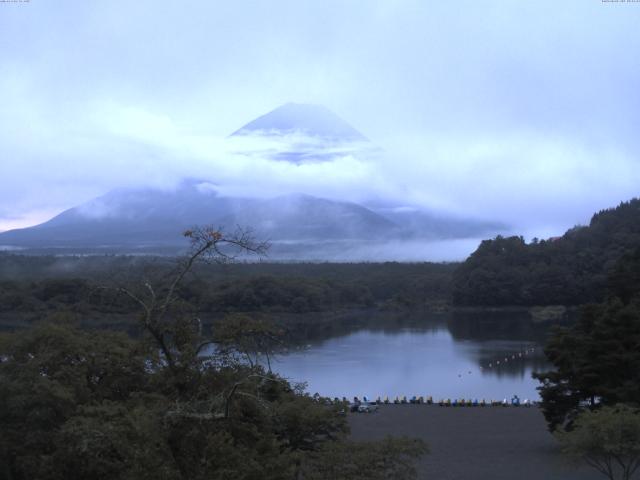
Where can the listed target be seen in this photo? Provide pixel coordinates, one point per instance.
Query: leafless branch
(207, 244)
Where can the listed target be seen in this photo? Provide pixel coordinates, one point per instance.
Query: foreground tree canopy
(597, 360)
(99, 405)
(607, 439)
(80, 404)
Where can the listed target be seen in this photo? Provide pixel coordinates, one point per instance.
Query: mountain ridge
(129, 220)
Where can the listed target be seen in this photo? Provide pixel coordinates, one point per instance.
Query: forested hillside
(569, 270)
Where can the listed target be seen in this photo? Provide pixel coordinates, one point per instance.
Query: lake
(446, 356)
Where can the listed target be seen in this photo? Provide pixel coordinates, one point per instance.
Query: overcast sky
(522, 112)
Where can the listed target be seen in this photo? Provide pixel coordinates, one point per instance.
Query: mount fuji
(303, 133)
(299, 226)
(308, 119)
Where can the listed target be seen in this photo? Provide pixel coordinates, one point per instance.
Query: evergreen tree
(597, 360)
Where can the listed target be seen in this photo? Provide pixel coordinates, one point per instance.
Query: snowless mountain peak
(309, 119)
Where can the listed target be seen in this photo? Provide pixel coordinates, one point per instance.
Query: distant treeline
(33, 287)
(570, 270)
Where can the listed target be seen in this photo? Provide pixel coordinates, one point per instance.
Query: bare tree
(207, 244)
(250, 337)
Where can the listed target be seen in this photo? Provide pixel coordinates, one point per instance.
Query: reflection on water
(445, 356)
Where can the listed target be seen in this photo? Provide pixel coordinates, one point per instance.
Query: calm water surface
(458, 360)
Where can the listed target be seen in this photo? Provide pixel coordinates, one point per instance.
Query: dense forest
(85, 289)
(570, 270)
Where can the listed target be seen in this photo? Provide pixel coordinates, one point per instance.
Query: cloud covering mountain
(299, 226)
(302, 133)
(524, 112)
